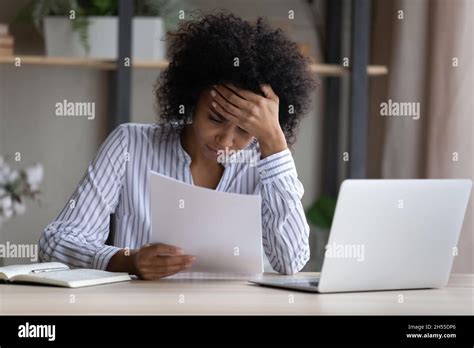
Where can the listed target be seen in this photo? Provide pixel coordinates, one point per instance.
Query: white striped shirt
(116, 182)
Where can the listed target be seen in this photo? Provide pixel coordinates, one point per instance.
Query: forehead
(205, 96)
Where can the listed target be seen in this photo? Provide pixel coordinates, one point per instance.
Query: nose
(225, 138)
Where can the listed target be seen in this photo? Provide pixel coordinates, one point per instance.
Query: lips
(214, 150)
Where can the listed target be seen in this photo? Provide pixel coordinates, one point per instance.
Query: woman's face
(214, 133)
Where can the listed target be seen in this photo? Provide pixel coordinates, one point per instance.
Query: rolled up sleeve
(77, 236)
(285, 229)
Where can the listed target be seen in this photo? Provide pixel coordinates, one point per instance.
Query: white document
(223, 230)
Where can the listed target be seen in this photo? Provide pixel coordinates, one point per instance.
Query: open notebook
(59, 274)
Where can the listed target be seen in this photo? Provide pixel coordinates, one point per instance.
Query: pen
(49, 270)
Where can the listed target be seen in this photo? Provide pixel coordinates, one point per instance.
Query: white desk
(178, 296)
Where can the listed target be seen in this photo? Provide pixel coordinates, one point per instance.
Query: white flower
(7, 213)
(13, 175)
(19, 208)
(9, 206)
(34, 176)
(6, 207)
(4, 173)
(6, 203)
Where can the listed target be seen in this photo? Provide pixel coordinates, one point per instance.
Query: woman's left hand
(253, 113)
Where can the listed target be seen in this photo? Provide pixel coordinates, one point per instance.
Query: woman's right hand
(155, 261)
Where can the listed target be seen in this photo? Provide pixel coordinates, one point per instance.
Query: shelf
(61, 61)
(103, 64)
(338, 70)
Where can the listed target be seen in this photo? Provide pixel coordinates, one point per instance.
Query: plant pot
(63, 41)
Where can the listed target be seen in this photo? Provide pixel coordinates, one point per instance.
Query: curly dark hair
(202, 52)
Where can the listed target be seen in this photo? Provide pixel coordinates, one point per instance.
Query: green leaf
(321, 213)
(103, 8)
(81, 25)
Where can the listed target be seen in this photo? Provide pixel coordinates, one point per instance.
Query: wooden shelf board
(104, 64)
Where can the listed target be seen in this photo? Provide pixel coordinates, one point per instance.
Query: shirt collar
(182, 154)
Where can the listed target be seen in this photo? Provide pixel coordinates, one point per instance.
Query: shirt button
(264, 172)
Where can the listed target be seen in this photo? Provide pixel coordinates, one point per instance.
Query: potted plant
(15, 187)
(320, 216)
(89, 28)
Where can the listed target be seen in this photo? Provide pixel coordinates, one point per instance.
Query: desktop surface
(220, 297)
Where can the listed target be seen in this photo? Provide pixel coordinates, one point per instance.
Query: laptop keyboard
(303, 283)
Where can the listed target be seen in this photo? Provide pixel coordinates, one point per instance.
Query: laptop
(389, 234)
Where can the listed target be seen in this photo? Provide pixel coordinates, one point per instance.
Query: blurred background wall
(418, 48)
(66, 145)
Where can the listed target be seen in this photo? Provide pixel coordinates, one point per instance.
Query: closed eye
(220, 119)
(216, 119)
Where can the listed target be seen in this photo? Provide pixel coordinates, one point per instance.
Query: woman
(230, 86)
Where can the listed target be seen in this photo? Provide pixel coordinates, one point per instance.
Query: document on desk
(223, 230)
